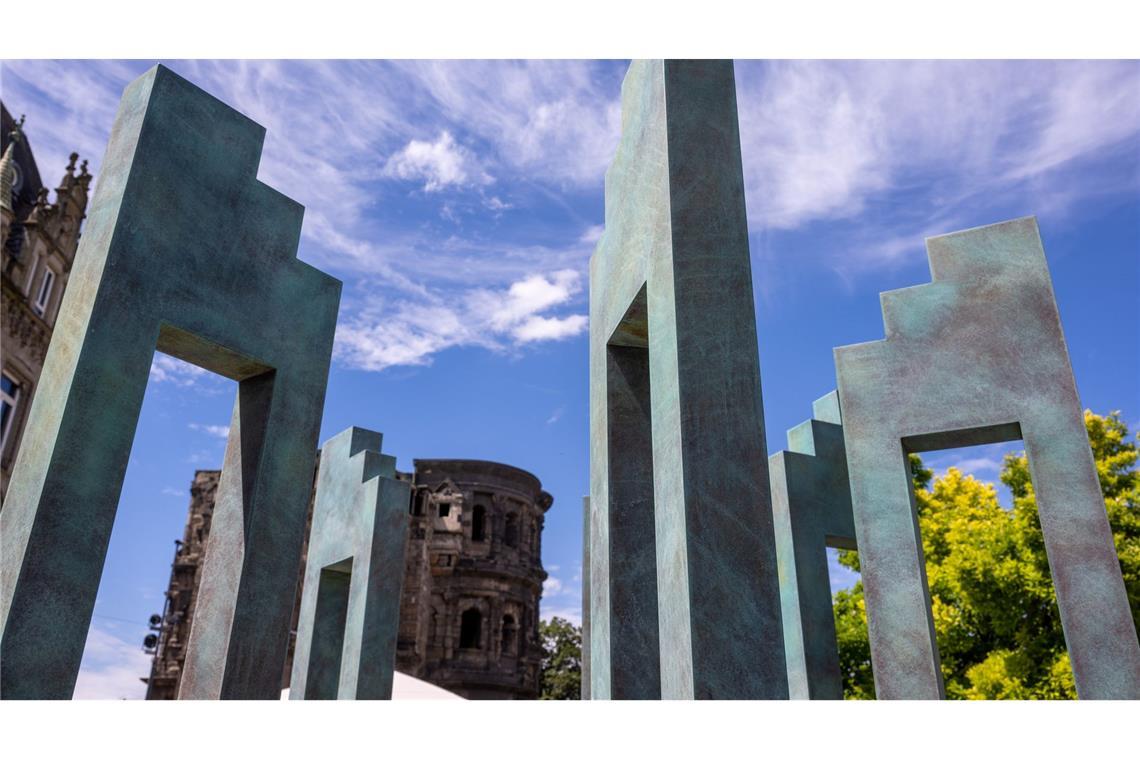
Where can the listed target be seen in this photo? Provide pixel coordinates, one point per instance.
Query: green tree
(995, 612)
(561, 659)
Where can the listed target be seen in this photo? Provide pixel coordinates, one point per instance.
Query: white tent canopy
(407, 687)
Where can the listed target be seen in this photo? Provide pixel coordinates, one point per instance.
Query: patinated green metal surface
(978, 356)
(683, 590)
(186, 251)
(811, 507)
(585, 685)
(354, 573)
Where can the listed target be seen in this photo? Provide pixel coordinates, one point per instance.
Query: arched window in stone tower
(419, 497)
(479, 523)
(470, 629)
(511, 531)
(510, 633)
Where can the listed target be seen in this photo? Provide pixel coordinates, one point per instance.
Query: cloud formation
(890, 152)
(437, 164)
(217, 431)
(840, 577)
(905, 146)
(409, 332)
(555, 121)
(571, 613)
(111, 667)
(560, 599)
(166, 369)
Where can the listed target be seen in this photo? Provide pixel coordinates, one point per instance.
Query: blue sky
(460, 202)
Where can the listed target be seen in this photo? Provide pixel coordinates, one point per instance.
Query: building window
(511, 532)
(470, 629)
(44, 295)
(479, 523)
(444, 508)
(9, 400)
(510, 631)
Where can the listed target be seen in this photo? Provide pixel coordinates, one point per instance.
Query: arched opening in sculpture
(206, 262)
(146, 518)
(327, 645)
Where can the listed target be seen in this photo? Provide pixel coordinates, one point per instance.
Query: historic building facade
(38, 241)
(473, 579)
(472, 582)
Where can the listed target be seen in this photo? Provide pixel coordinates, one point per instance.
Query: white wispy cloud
(550, 328)
(985, 461)
(825, 141)
(560, 599)
(903, 148)
(437, 164)
(519, 312)
(809, 144)
(1091, 105)
(592, 234)
(339, 132)
(166, 369)
(566, 612)
(573, 614)
(171, 491)
(111, 666)
(68, 107)
(531, 295)
(218, 431)
(840, 577)
(495, 204)
(558, 121)
(408, 332)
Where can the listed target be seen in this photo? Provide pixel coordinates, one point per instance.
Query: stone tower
(38, 241)
(469, 616)
(472, 583)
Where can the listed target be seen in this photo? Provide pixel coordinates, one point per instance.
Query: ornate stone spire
(8, 166)
(42, 208)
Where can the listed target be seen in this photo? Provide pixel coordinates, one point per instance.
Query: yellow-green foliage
(995, 613)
